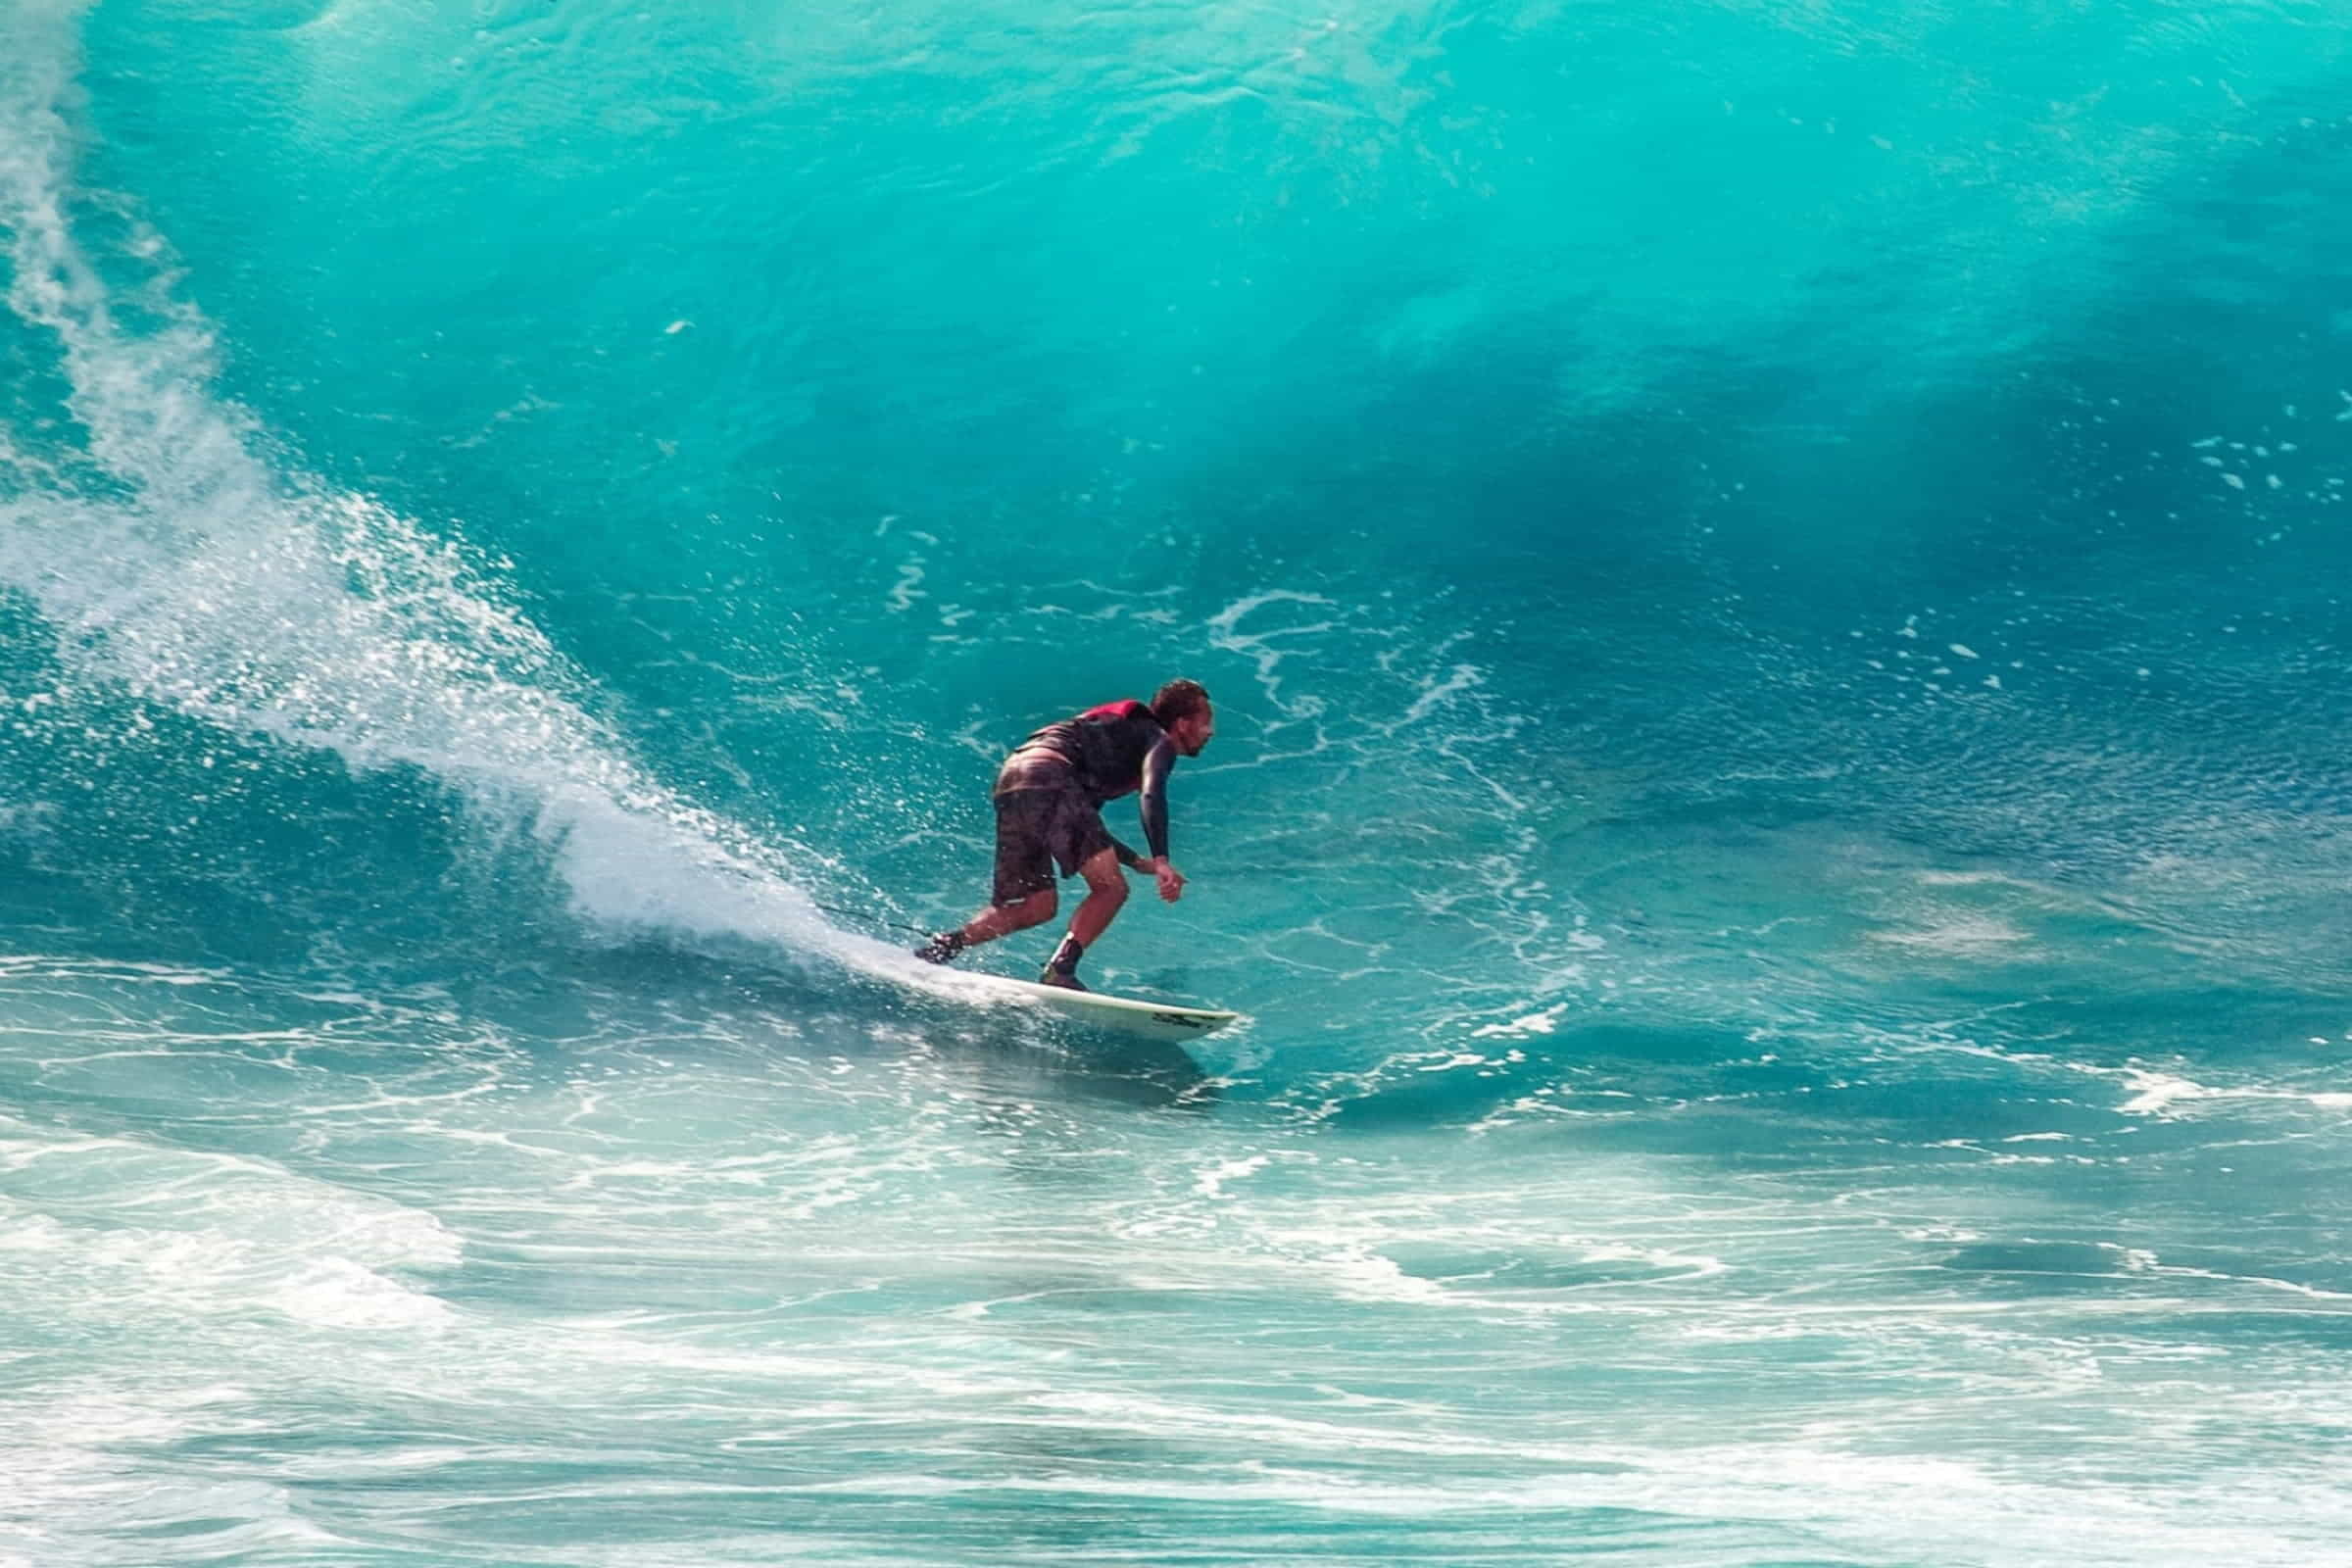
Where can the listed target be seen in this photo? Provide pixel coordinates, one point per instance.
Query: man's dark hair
(1179, 699)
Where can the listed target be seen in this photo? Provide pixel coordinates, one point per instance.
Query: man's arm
(1171, 880)
(1152, 799)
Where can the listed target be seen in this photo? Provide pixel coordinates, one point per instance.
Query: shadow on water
(1016, 1053)
(1026, 1055)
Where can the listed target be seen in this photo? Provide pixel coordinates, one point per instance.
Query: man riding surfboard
(1048, 797)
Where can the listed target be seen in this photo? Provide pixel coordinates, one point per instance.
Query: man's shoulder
(1126, 708)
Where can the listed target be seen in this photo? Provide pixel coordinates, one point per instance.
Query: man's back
(1103, 748)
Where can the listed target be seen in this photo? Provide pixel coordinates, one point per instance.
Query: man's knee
(1110, 887)
(1034, 909)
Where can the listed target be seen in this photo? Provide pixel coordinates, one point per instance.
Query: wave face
(1775, 584)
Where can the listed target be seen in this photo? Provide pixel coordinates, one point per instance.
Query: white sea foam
(1211, 1183)
(194, 570)
(1526, 1024)
(2158, 1094)
(1960, 936)
(195, 1235)
(1258, 643)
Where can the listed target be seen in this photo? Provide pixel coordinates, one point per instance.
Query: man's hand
(1171, 880)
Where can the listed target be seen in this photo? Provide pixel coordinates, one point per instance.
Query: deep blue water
(1773, 580)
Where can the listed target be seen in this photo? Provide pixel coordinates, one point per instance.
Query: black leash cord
(868, 914)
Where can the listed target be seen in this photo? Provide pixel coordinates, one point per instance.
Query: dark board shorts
(1039, 831)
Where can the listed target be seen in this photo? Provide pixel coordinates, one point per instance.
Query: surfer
(1048, 797)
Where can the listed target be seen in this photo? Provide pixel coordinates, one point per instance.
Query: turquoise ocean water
(1775, 578)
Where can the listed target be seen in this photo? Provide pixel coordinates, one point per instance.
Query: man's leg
(1004, 919)
(1105, 891)
(996, 920)
(1024, 879)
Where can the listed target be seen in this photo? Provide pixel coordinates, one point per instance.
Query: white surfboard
(1157, 1021)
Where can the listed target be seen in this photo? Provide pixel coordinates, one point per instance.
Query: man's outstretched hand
(1171, 880)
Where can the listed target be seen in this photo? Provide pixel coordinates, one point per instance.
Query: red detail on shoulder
(1124, 708)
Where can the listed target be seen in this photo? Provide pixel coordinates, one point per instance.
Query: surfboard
(1157, 1020)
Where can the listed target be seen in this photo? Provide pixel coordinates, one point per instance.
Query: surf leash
(869, 914)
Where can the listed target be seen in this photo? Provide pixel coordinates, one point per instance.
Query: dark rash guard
(1104, 752)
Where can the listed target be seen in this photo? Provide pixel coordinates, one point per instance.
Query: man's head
(1183, 711)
